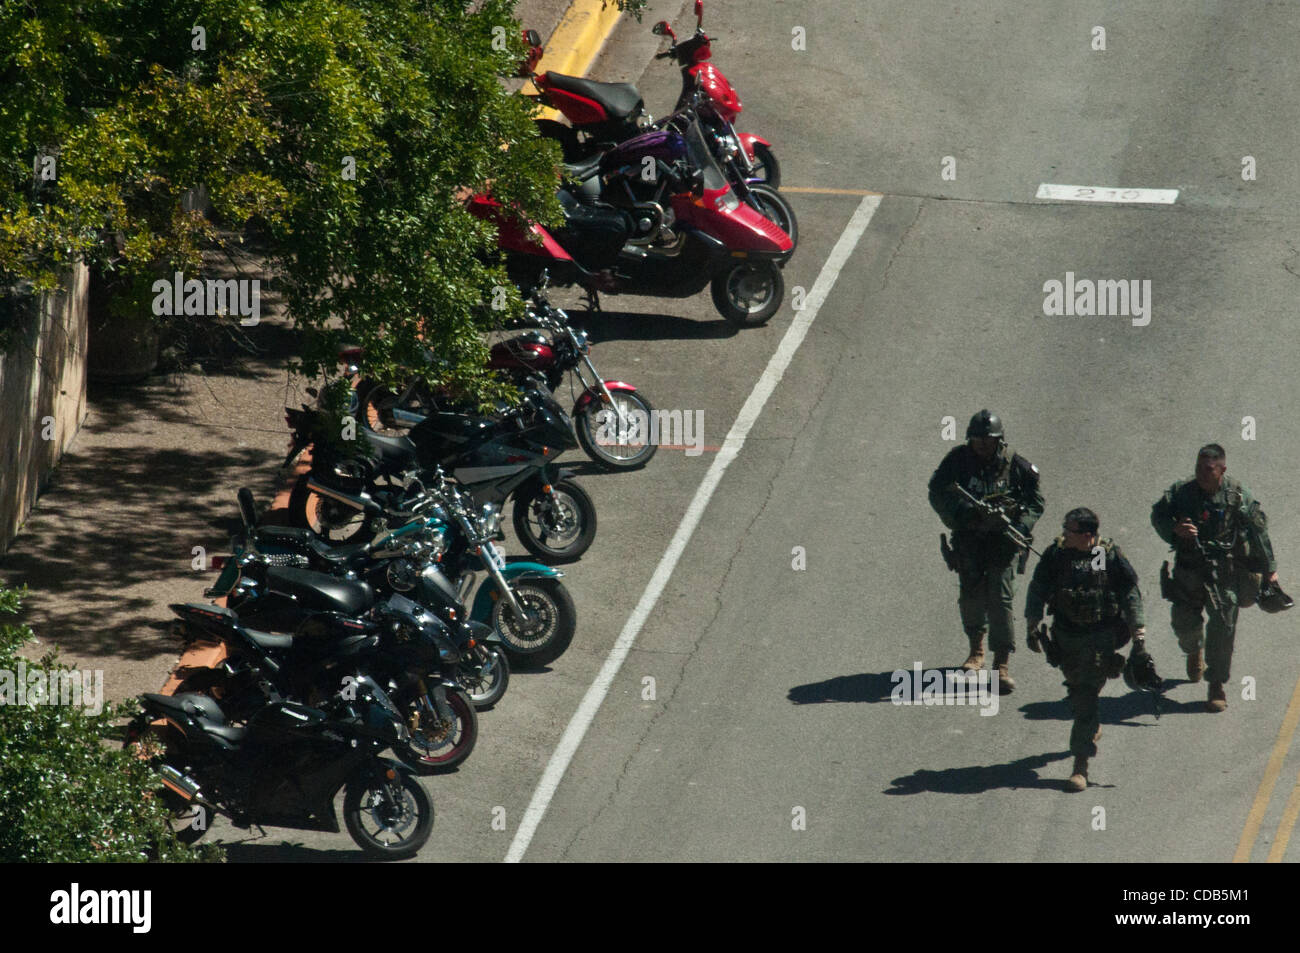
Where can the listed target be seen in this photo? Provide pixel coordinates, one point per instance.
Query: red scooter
(604, 113)
(706, 237)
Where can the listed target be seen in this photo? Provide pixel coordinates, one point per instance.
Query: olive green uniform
(1233, 532)
(1095, 604)
(985, 557)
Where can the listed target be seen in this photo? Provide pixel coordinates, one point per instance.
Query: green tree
(67, 793)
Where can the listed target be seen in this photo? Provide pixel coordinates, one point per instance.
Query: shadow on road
(628, 326)
(979, 778)
(261, 851)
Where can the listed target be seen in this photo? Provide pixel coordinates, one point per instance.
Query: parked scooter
(602, 114)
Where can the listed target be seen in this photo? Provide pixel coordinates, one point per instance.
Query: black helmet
(1140, 673)
(984, 424)
(1273, 599)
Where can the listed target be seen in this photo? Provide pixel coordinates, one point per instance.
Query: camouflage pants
(987, 589)
(1220, 627)
(1085, 656)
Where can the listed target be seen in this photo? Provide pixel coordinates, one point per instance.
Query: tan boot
(1006, 684)
(976, 660)
(1217, 701)
(1079, 779)
(1195, 665)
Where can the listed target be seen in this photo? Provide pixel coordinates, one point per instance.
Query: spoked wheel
(551, 620)
(766, 167)
(749, 293)
(437, 746)
(617, 437)
(774, 207)
(485, 675)
(377, 406)
(390, 816)
(335, 522)
(558, 526)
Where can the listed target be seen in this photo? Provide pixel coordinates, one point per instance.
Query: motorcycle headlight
(491, 519)
(402, 575)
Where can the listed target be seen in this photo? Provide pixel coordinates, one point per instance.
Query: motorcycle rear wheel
(748, 293)
(334, 522)
(393, 806)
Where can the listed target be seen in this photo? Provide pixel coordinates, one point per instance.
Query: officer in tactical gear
(1007, 503)
(1092, 593)
(1220, 539)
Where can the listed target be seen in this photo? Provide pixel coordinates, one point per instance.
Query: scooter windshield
(702, 157)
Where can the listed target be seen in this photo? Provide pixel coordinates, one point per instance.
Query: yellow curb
(575, 43)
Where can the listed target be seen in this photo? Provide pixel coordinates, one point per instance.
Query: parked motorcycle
(694, 234)
(508, 457)
(403, 560)
(608, 416)
(285, 766)
(340, 633)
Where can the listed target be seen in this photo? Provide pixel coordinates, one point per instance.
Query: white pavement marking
(771, 376)
(1093, 193)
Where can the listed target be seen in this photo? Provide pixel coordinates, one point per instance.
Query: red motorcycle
(604, 113)
(699, 235)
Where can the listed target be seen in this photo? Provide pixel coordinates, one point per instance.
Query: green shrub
(68, 793)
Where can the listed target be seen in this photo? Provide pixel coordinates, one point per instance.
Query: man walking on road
(986, 495)
(1220, 538)
(1092, 593)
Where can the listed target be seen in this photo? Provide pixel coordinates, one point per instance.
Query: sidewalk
(152, 475)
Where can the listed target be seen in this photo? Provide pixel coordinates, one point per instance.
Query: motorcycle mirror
(699, 12)
(661, 29)
(532, 38)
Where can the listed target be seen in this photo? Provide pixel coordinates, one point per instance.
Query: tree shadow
(980, 778)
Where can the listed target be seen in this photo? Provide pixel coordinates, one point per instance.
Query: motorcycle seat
(620, 100)
(318, 592)
(268, 641)
(188, 704)
(305, 542)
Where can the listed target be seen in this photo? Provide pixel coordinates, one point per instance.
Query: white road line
(771, 376)
(1097, 193)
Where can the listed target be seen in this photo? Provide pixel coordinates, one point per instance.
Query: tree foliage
(341, 134)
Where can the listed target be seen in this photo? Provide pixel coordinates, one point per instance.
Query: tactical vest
(1083, 596)
(1218, 520)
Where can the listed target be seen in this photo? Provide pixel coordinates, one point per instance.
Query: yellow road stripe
(815, 191)
(1271, 771)
(573, 46)
(1284, 827)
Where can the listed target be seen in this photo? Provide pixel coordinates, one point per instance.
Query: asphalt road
(771, 685)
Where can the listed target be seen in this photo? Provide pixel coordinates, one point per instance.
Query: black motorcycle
(511, 456)
(284, 768)
(340, 633)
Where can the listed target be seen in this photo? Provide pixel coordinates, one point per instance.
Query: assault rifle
(1022, 541)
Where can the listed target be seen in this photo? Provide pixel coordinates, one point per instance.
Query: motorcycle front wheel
(485, 676)
(748, 293)
(546, 633)
(388, 819)
(766, 167)
(558, 528)
(616, 446)
(436, 746)
(773, 206)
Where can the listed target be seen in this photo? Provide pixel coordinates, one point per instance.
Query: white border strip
(1099, 193)
(582, 718)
